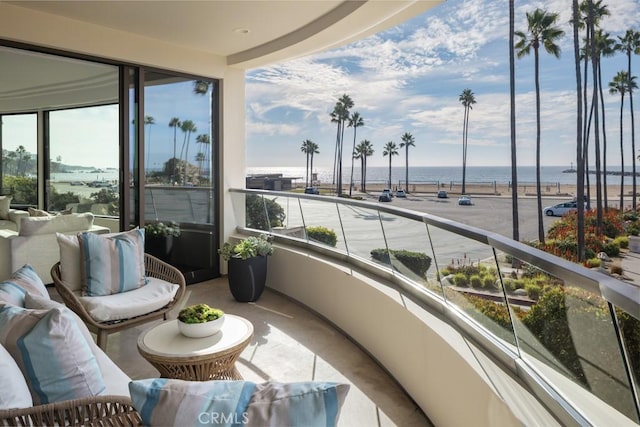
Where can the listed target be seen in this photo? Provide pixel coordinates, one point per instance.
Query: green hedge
(323, 234)
(417, 262)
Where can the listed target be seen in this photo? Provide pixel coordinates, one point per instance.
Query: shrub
(533, 290)
(494, 311)
(417, 262)
(622, 241)
(611, 248)
(459, 279)
(258, 209)
(475, 281)
(323, 235)
(489, 282)
(616, 269)
(593, 263)
(59, 201)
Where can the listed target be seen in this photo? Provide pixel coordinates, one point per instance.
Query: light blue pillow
(13, 290)
(51, 352)
(232, 403)
(112, 264)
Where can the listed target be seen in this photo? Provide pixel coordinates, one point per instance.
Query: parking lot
(492, 213)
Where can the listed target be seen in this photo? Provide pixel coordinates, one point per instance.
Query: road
(491, 213)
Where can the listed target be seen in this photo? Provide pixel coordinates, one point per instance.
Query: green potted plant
(247, 262)
(200, 320)
(158, 239)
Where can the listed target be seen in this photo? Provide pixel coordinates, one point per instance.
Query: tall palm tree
(340, 115)
(575, 9)
(605, 47)
(407, 141)
(201, 139)
(390, 149)
(305, 149)
(313, 149)
(622, 84)
(467, 99)
(363, 150)
(175, 124)
(355, 121)
(148, 121)
(541, 31)
(630, 44)
(188, 127)
(512, 96)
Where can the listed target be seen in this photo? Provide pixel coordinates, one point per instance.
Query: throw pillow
(41, 303)
(112, 264)
(51, 352)
(70, 269)
(14, 392)
(5, 205)
(23, 281)
(178, 402)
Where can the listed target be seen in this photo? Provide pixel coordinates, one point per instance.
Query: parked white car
(560, 209)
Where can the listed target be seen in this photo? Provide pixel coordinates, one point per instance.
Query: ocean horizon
(443, 174)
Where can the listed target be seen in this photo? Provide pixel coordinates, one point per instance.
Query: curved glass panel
(364, 234)
(323, 216)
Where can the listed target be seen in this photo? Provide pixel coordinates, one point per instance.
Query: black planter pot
(159, 246)
(247, 278)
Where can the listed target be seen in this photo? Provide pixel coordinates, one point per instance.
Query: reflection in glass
(570, 330)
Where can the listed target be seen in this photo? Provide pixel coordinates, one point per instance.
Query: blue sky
(409, 78)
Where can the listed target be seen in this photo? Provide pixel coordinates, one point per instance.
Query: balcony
(457, 315)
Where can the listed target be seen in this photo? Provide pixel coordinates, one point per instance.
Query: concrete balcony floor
(291, 344)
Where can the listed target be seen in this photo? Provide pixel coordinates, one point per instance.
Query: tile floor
(292, 344)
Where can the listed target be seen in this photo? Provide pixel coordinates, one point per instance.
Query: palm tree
(542, 31)
(305, 149)
(355, 121)
(340, 115)
(188, 127)
(622, 84)
(390, 149)
(363, 150)
(148, 121)
(313, 149)
(467, 99)
(579, 143)
(629, 44)
(201, 139)
(407, 141)
(605, 47)
(175, 124)
(512, 95)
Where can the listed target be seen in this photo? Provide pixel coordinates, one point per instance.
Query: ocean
(443, 174)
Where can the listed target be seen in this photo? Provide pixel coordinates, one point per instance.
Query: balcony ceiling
(247, 33)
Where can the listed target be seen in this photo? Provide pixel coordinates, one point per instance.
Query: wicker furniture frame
(86, 411)
(153, 268)
(203, 365)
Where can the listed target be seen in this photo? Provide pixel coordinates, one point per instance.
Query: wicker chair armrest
(69, 298)
(87, 411)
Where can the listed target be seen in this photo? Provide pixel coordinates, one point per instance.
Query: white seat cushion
(153, 296)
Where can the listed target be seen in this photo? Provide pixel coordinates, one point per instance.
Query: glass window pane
(84, 147)
(19, 141)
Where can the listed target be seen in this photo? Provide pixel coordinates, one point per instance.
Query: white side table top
(166, 340)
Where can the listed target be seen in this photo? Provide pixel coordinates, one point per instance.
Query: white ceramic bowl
(200, 330)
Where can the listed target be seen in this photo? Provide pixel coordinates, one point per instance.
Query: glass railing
(576, 330)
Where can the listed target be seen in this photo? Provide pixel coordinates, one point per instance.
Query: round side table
(196, 359)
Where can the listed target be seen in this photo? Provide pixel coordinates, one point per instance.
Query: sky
(409, 78)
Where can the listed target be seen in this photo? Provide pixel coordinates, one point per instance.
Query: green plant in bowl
(199, 313)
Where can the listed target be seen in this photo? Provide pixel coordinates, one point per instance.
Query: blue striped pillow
(112, 264)
(232, 403)
(13, 290)
(51, 352)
